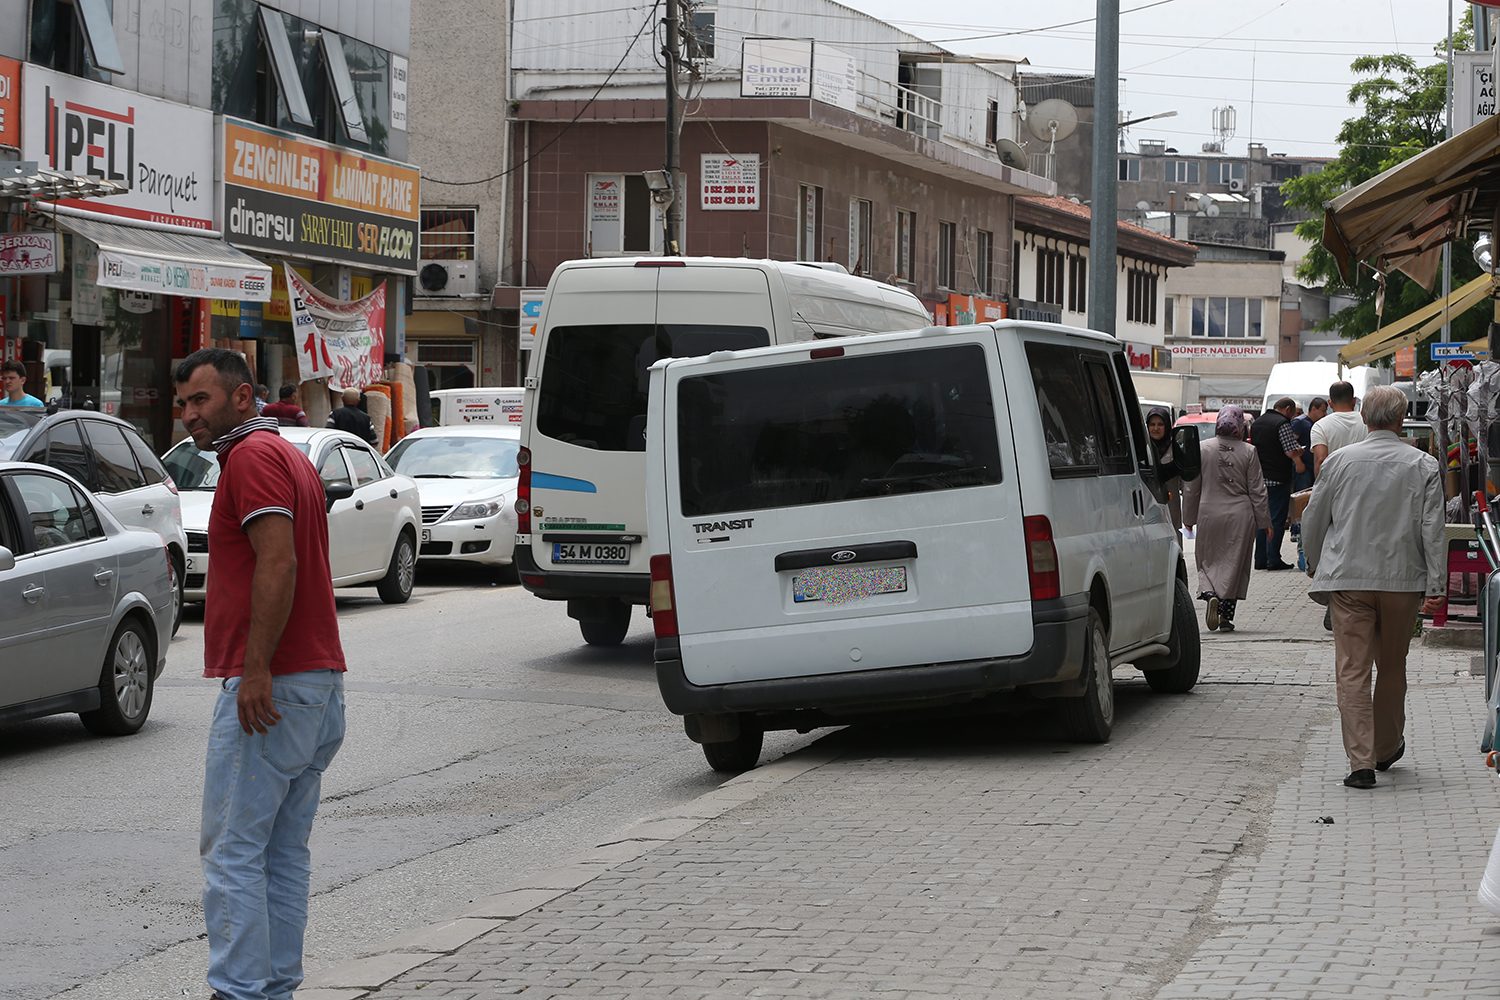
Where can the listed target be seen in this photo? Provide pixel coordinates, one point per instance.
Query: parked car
(108, 456)
(466, 475)
(908, 521)
(1203, 422)
(87, 603)
(372, 520)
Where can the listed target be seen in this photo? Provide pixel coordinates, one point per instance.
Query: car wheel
(395, 586)
(125, 684)
(179, 597)
(1182, 676)
(1091, 717)
(739, 754)
(611, 630)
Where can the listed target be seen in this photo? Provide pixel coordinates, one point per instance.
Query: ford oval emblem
(844, 555)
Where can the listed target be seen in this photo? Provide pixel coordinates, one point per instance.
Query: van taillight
(523, 492)
(1041, 559)
(663, 608)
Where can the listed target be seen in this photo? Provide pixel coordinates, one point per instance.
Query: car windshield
(455, 457)
(15, 421)
(192, 468)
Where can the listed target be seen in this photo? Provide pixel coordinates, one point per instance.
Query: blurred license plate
(426, 535)
(841, 584)
(589, 552)
(192, 565)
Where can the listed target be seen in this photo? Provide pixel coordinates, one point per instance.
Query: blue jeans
(260, 793)
(1279, 499)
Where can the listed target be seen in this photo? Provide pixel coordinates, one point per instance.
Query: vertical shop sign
(398, 92)
(10, 103)
(531, 315)
(606, 213)
(88, 308)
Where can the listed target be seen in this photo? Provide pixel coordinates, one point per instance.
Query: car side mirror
(334, 492)
(7, 559)
(1185, 453)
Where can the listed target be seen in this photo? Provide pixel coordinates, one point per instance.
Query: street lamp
(1137, 121)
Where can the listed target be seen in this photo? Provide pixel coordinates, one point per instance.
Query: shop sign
(30, 253)
(162, 152)
(10, 103)
(398, 92)
(835, 77)
(1138, 355)
(297, 197)
(1405, 362)
(729, 183)
(1454, 351)
(531, 315)
(776, 67)
(88, 305)
(963, 310)
(1221, 351)
(173, 277)
(343, 342)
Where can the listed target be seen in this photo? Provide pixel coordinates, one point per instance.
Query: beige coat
(1227, 503)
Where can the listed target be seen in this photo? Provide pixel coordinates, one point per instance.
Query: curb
(414, 948)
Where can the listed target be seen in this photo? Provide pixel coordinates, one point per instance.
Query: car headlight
(470, 511)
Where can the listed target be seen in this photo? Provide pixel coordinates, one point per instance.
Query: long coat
(1227, 503)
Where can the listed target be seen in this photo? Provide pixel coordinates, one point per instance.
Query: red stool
(1461, 560)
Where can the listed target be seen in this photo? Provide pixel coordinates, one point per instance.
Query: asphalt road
(485, 742)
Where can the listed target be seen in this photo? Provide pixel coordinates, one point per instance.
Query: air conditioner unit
(1236, 184)
(448, 277)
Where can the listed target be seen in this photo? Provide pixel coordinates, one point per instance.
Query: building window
(1140, 297)
(947, 255)
(1049, 276)
(1182, 171)
(984, 263)
(906, 234)
(1015, 268)
(621, 216)
(1130, 169)
(1227, 317)
(77, 38)
(1169, 314)
(809, 205)
(699, 29)
(1223, 173)
(992, 121)
(861, 222)
(1078, 283)
(447, 234)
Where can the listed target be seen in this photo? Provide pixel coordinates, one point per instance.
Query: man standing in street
(1341, 427)
(1373, 535)
(13, 380)
(279, 718)
(351, 418)
(285, 410)
(1302, 426)
(1280, 461)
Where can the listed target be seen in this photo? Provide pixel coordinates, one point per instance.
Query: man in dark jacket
(351, 418)
(1280, 460)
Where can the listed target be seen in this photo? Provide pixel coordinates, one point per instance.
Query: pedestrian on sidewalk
(1302, 426)
(279, 718)
(1280, 460)
(1373, 535)
(1340, 428)
(1226, 504)
(1159, 426)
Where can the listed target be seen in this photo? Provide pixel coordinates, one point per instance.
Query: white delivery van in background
(487, 405)
(1302, 380)
(581, 528)
(941, 520)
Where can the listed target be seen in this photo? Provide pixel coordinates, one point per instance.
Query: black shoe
(1328, 619)
(1226, 626)
(1363, 778)
(1385, 765)
(1279, 565)
(1260, 565)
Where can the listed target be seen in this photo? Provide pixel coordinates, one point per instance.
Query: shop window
(1049, 276)
(861, 222)
(809, 212)
(447, 233)
(76, 37)
(622, 218)
(1228, 317)
(947, 252)
(984, 271)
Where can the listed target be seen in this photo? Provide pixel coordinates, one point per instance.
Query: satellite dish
(1012, 153)
(1052, 120)
(1204, 203)
(1213, 211)
(1143, 206)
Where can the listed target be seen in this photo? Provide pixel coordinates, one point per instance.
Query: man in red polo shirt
(271, 632)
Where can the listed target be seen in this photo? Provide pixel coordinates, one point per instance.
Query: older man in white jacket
(1373, 536)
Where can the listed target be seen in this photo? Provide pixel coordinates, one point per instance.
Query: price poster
(730, 182)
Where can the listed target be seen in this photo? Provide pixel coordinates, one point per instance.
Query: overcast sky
(1282, 64)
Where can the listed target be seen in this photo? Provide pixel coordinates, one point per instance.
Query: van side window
(1114, 444)
(1068, 426)
(594, 378)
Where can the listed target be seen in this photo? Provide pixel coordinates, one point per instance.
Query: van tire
(609, 631)
(739, 754)
(1091, 717)
(1181, 677)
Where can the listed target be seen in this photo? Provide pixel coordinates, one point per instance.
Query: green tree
(1403, 114)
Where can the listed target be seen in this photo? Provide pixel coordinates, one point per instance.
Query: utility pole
(672, 51)
(1106, 187)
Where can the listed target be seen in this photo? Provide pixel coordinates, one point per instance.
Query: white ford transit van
(912, 521)
(581, 525)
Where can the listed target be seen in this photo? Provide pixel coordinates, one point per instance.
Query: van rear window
(869, 425)
(594, 378)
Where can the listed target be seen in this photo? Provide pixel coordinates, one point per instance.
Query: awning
(28, 180)
(1401, 218)
(1390, 339)
(148, 260)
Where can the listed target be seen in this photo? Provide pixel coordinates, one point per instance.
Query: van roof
(805, 272)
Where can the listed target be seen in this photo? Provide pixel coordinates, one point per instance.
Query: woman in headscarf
(1226, 504)
(1159, 426)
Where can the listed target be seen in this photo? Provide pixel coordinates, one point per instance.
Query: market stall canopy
(28, 180)
(172, 263)
(1417, 326)
(1401, 218)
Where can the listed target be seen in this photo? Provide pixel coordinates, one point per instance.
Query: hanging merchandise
(340, 341)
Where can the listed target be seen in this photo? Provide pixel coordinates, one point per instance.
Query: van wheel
(741, 753)
(610, 630)
(1181, 678)
(1090, 718)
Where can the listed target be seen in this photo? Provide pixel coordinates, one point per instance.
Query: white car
(372, 523)
(467, 476)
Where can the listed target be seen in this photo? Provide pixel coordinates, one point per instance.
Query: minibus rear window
(594, 378)
(868, 425)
